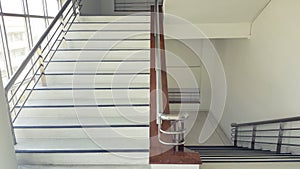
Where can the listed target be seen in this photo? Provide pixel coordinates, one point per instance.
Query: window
(17, 39)
(23, 30)
(12, 6)
(3, 66)
(37, 29)
(52, 6)
(35, 7)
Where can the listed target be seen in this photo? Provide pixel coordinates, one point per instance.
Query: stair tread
(138, 166)
(93, 86)
(80, 121)
(88, 102)
(121, 143)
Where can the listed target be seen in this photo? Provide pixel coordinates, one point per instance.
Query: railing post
(279, 141)
(235, 142)
(42, 67)
(253, 137)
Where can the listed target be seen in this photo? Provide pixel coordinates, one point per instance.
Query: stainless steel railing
(176, 121)
(32, 69)
(274, 133)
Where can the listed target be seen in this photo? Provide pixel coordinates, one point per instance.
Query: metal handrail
(239, 133)
(176, 120)
(15, 99)
(282, 120)
(13, 79)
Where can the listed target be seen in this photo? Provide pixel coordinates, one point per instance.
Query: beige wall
(7, 152)
(185, 67)
(263, 73)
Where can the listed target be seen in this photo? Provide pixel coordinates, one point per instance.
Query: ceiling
(215, 11)
(215, 18)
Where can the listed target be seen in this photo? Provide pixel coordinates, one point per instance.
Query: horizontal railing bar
(40, 76)
(67, 74)
(112, 22)
(283, 120)
(104, 88)
(34, 49)
(66, 39)
(270, 136)
(20, 85)
(25, 15)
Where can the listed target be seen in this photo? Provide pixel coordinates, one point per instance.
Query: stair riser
(114, 19)
(112, 26)
(89, 94)
(185, 107)
(101, 55)
(93, 133)
(108, 35)
(61, 67)
(92, 80)
(106, 44)
(82, 158)
(86, 112)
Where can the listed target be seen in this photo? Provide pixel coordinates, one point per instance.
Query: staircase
(93, 108)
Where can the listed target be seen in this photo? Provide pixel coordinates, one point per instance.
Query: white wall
(263, 73)
(185, 67)
(7, 152)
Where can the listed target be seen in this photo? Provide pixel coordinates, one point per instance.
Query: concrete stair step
(57, 122)
(93, 79)
(113, 158)
(83, 144)
(99, 67)
(118, 44)
(75, 133)
(130, 18)
(84, 167)
(108, 35)
(111, 26)
(101, 55)
(79, 112)
(90, 94)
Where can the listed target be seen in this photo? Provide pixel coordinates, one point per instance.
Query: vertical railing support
(279, 141)
(236, 131)
(253, 137)
(42, 67)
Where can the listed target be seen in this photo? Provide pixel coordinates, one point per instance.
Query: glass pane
(3, 65)
(37, 28)
(35, 7)
(17, 39)
(52, 6)
(12, 6)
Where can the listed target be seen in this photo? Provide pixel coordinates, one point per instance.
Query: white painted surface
(73, 133)
(90, 94)
(173, 166)
(102, 55)
(86, 112)
(118, 143)
(84, 167)
(7, 154)
(53, 121)
(106, 44)
(82, 159)
(93, 80)
(217, 19)
(263, 72)
(215, 11)
(110, 35)
(111, 26)
(98, 67)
